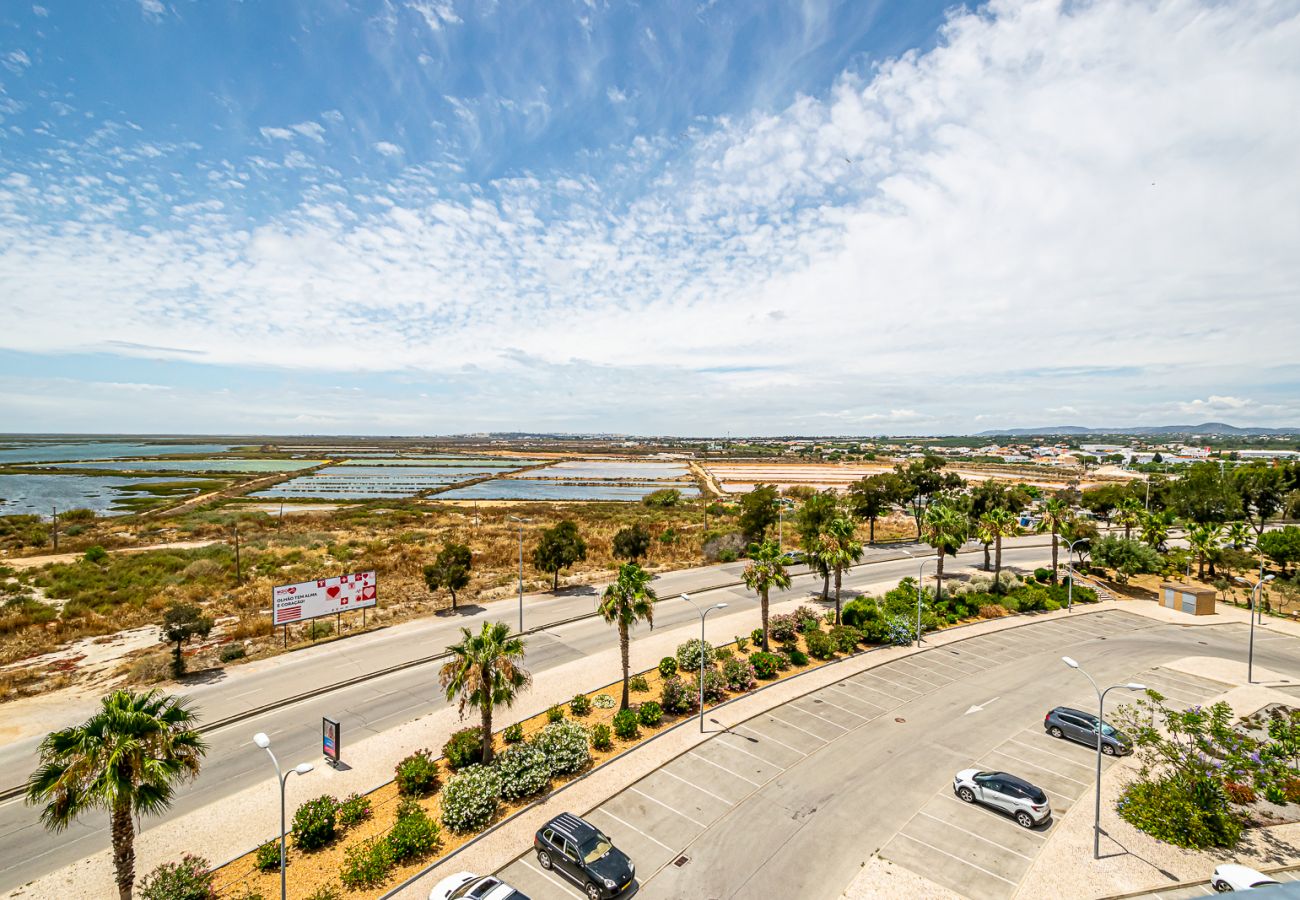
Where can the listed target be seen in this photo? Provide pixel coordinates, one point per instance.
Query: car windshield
(1107, 730)
(595, 848)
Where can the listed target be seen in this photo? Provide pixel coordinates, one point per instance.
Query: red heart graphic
(369, 592)
(332, 591)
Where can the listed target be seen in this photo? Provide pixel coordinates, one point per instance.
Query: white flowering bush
(566, 747)
(604, 701)
(524, 771)
(471, 798)
(688, 655)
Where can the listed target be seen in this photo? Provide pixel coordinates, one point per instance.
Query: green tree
(1204, 540)
(126, 759)
(872, 497)
(766, 570)
(810, 520)
(1205, 495)
(450, 569)
(997, 524)
(1155, 528)
(182, 621)
(1281, 546)
(1240, 536)
(629, 600)
(920, 480)
(840, 549)
(758, 512)
(945, 528)
(1102, 501)
(989, 495)
(1128, 515)
(1262, 491)
(560, 547)
(632, 543)
(1126, 557)
(485, 671)
(1053, 515)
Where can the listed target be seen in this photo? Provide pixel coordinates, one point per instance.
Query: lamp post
(521, 569)
(1101, 706)
(1069, 565)
(261, 740)
(1250, 653)
(919, 576)
(704, 614)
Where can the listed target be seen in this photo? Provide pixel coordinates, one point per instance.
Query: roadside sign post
(331, 739)
(323, 597)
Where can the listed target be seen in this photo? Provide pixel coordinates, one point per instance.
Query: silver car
(1014, 796)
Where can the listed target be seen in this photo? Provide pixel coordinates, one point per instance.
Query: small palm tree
(945, 528)
(997, 524)
(1240, 535)
(126, 759)
(1155, 528)
(839, 550)
(1054, 514)
(1128, 514)
(1204, 540)
(765, 571)
(485, 671)
(629, 600)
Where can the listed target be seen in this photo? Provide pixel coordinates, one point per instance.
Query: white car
(1231, 877)
(468, 886)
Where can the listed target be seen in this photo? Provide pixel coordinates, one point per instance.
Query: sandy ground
(35, 562)
(294, 509)
(880, 879)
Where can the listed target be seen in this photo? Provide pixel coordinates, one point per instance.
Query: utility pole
(55, 510)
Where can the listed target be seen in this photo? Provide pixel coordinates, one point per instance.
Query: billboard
(323, 597)
(331, 739)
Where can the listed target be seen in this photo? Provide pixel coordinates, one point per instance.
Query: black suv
(584, 853)
(1077, 725)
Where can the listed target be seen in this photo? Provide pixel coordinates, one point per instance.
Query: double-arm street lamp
(261, 740)
(1069, 565)
(1101, 708)
(919, 576)
(1250, 653)
(521, 569)
(704, 614)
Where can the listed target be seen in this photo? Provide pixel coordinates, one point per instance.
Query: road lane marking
(957, 858)
(842, 709)
(601, 809)
(978, 836)
(695, 755)
(777, 718)
(809, 712)
(560, 884)
(985, 811)
(755, 755)
(696, 786)
(1051, 754)
(762, 734)
(667, 807)
(855, 698)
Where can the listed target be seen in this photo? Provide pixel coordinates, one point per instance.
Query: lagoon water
(28, 494)
(198, 465)
(539, 489)
(16, 450)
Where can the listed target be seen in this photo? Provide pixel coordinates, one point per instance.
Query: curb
(1178, 885)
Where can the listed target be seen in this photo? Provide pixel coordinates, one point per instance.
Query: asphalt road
(373, 706)
(793, 802)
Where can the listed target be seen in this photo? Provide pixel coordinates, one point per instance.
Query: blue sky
(433, 216)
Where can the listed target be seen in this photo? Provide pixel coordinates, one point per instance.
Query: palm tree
(999, 523)
(1155, 528)
(1240, 535)
(986, 538)
(764, 572)
(1128, 514)
(1053, 516)
(485, 671)
(127, 759)
(945, 528)
(629, 600)
(840, 549)
(1204, 540)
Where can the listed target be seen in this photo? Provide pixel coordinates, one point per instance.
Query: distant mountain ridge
(1215, 428)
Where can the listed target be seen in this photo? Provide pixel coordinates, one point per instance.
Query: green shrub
(739, 674)
(689, 653)
(1042, 575)
(566, 747)
(810, 618)
(324, 892)
(367, 864)
(417, 774)
(464, 748)
(268, 856)
(319, 629)
(820, 645)
(667, 667)
(249, 893)
(845, 638)
(783, 628)
(1196, 816)
(663, 498)
(603, 701)
(676, 697)
(742, 644)
(649, 713)
(513, 733)
(727, 555)
(601, 737)
(722, 654)
(757, 637)
(638, 685)
(715, 688)
(354, 810)
(796, 656)
(472, 797)
(188, 879)
(625, 724)
(232, 652)
(580, 705)
(764, 664)
(524, 771)
(97, 554)
(414, 834)
(313, 823)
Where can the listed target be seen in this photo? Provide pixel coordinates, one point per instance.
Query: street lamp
(1250, 654)
(261, 740)
(521, 569)
(704, 614)
(1101, 705)
(919, 576)
(1069, 564)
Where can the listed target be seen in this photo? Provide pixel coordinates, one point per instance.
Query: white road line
(601, 809)
(694, 755)
(772, 715)
(667, 807)
(761, 759)
(898, 701)
(566, 888)
(843, 709)
(772, 739)
(696, 786)
(977, 836)
(809, 712)
(964, 862)
(898, 684)
(1049, 753)
(938, 660)
(855, 697)
(985, 811)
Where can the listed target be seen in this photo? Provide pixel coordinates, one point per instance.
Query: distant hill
(1213, 428)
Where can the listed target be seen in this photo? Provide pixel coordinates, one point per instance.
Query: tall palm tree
(981, 532)
(1204, 540)
(485, 671)
(1054, 514)
(629, 600)
(945, 528)
(1155, 528)
(1240, 535)
(1128, 514)
(999, 523)
(840, 549)
(765, 571)
(126, 759)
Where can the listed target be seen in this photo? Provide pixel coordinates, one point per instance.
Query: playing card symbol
(332, 591)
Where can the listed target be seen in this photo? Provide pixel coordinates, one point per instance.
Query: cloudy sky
(434, 216)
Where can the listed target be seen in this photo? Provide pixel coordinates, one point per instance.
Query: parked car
(582, 852)
(792, 557)
(1014, 796)
(1077, 725)
(1232, 877)
(468, 886)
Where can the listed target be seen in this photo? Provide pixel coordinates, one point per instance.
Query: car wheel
(1222, 887)
(544, 859)
(592, 891)
(966, 794)
(1024, 820)
(1056, 732)
(1108, 749)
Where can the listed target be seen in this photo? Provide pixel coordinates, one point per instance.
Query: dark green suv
(584, 854)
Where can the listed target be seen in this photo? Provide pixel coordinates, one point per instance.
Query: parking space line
(695, 755)
(978, 836)
(857, 715)
(755, 755)
(665, 770)
(549, 878)
(985, 811)
(896, 684)
(667, 807)
(1049, 753)
(775, 741)
(855, 698)
(940, 661)
(957, 858)
(773, 715)
(809, 712)
(601, 809)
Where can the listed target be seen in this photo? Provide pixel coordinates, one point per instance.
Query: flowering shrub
(764, 664)
(676, 697)
(600, 736)
(555, 713)
(820, 645)
(738, 674)
(366, 864)
(580, 705)
(845, 638)
(715, 688)
(417, 774)
(524, 771)
(688, 655)
(783, 628)
(188, 879)
(667, 667)
(471, 798)
(566, 747)
(809, 618)
(603, 701)
(637, 684)
(513, 733)
(625, 724)
(268, 856)
(414, 834)
(354, 809)
(313, 823)
(649, 714)
(464, 748)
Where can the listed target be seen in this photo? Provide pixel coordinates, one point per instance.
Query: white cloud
(388, 149)
(278, 134)
(41, 11)
(16, 61)
(152, 9)
(436, 13)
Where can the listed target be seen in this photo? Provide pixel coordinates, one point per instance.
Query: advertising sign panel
(323, 597)
(331, 739)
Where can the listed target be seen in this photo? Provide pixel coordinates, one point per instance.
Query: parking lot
(1204, 890)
